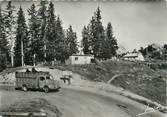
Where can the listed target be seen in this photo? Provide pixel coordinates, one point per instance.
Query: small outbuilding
(80, 59)
(137, 56)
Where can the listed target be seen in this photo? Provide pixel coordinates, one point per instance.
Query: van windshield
(49, 78)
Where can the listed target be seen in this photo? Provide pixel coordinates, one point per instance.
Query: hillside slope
(135, 77)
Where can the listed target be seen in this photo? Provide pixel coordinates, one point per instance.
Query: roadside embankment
(120, 91)
(135, 78)
(132, 76)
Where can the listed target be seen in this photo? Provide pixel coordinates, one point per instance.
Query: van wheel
(46, 89)
(24, 88)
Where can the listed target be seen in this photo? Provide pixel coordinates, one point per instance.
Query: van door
(41, 81)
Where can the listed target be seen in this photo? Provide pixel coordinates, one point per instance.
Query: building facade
(134, 57)
(79, 59)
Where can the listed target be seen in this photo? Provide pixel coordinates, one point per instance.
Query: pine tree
(164, 55)
(3, 40)
(3, 43)
(71, 39)
(165, 47)
(110, 43)
(102, 44)
(98, 36)
(92, 33)
(9, 20)
(86, 44)
(35, 45)
(21, 39)
(50, 33)
(42, 11)
(61, 48)
(142, 51)
(50, 24)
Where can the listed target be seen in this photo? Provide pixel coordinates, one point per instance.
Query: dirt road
(72, 102)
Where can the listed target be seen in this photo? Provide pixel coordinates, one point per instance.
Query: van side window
(76, 58)
(42, 78)
(47, 78)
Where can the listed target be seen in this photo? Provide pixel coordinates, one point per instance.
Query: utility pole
(34, 59)
(12, 63)
(45, 52)
(22, 54)
(44, 47)
(12, 52)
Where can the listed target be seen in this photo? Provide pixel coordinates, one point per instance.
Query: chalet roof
(131, 55)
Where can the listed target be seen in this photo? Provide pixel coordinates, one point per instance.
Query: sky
(135, 24)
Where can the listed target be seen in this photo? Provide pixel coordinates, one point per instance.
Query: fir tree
(110, 43)
(98, 36)
(164, 55)
(86, 44)
(61, 48)
(33, 23)
(9, 21)
(165, 47)
(42, 21)
(50, 24)
(50, 33)
(3, 43)
(3, 40)
(142, 51)
(96, 41)
(71, 39)
(35, 45)
(21, 39)
(92, 33)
